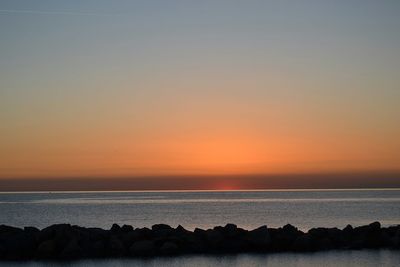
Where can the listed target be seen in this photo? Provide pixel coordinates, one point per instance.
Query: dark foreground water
(247, 209)
(383, 258)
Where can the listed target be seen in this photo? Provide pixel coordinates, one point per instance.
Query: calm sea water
(247, 209)
(382, 258)
(205, 209)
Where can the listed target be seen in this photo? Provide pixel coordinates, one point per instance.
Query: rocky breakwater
(66, 242)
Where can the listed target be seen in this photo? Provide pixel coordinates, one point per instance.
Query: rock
(348, 231)
(259, 239)
(396, 239)
(115, 228)
(50, 231)
(144, 248)
(162, 230)
(290, 229)
(116, 247)
(130, 237)
(96, 234)
(60, 234)
(71, 251)
(3, 252)
(126, 228)
(367, 229)
(318, 232)
(375, 226)
(5, 229)
(181, 229)
(32, 230)
(144, 233)
(193, 243)
(18, 245)
(214, 239)
(320, 238)
(161, 227)
(63, 241)
(199, 232)
(230, 230)
(302, 243)
(96, 249)
(169, 248)
(367, 236)
(283, 238)
(46, 250)
(336, 237)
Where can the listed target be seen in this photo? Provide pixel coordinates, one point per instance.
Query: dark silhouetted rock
(169, 248)
(144, 248)
(302, 243)
(32, 230)
(46, 250)
(66, 242)
(181, 229)
(259, 239)
(115, 228)
(5, 229)
(213, 238)
(72, 250)
(126, 228)
(161, 227)
(116, 247)
(396, 238)
(283, 238)
(97, 249)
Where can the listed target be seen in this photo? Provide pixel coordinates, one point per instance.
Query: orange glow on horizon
(203, 154)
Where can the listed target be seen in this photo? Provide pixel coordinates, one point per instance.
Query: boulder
(96, 249)
(63, 241)
(126, 228)
(116, 247)
(181, 230)
(31, 229)
(214, 239)
(115, 228)
(283, 238)
(302, 243)
(161, 227)
(130, 237)
(71, 251)
(19, 245)
(5, 229)
(259, 239)
(396, 239)
(144, 233)
(231, 230)
(169, 248)
(143, 248)
(46, 250)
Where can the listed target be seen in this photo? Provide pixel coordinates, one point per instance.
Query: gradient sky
(133, 88)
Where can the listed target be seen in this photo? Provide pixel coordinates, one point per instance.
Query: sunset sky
(161, 88)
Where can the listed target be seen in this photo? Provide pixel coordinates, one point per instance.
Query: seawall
(68, 242)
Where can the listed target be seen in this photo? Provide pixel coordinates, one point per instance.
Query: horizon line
(181, 175)
(208, 190)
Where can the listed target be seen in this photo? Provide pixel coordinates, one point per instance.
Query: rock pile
(66, 242)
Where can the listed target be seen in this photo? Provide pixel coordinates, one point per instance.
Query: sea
(304, 209)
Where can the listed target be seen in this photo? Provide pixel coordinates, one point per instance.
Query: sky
(172, 88)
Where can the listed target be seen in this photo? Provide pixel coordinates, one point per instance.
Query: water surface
(247, 209)
(382, 258)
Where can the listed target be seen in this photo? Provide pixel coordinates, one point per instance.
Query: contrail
(38, 12)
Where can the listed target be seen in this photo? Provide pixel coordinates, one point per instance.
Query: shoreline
(68, 242)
